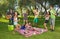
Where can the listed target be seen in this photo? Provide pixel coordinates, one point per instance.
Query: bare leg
(26, 21)
(51, 27)
(17, 26)
(45, 26)
(52, 24)
(23, 21)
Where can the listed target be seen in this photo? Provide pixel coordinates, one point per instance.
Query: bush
(0, 15)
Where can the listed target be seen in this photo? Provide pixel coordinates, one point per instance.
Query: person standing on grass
(46, 20)
(36, 14)
(16, 20)
(52, 18)
(25, 17)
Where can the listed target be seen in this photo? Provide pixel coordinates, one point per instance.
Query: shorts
(15, 23)
(52, 22)
(46, 21)
(35, 20)
(25, 18)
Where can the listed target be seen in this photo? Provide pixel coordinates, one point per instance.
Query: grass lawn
(5, 34)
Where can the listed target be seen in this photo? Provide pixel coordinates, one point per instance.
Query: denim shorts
(52, 21)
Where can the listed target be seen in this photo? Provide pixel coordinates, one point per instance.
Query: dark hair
(14, 13)
(51, 6)
(17, 12)
(36, 9)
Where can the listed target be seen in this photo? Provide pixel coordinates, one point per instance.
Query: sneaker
(52, 30)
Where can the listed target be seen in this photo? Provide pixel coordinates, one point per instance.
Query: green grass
(5, 34)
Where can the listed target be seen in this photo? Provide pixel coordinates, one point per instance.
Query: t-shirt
(52, 12)
(15, 19)
(47, 18)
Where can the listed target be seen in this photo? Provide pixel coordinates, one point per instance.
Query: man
(52, 18)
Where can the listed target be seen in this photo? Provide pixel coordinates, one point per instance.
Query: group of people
(27, 30)
(12, 16)
(50, 15)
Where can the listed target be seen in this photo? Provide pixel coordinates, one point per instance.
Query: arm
(54, 13)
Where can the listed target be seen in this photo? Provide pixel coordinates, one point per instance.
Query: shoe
(52, 30)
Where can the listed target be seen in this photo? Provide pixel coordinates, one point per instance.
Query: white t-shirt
(15, 21)
(47, 18)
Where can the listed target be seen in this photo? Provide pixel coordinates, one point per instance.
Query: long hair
(16, 12)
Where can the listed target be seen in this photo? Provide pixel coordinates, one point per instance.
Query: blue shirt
(23, 27)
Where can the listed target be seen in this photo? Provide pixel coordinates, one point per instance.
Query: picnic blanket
(31, 32)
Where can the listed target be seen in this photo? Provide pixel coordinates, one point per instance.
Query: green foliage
(6, 4)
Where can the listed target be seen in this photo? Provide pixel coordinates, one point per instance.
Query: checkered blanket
(31, 32)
